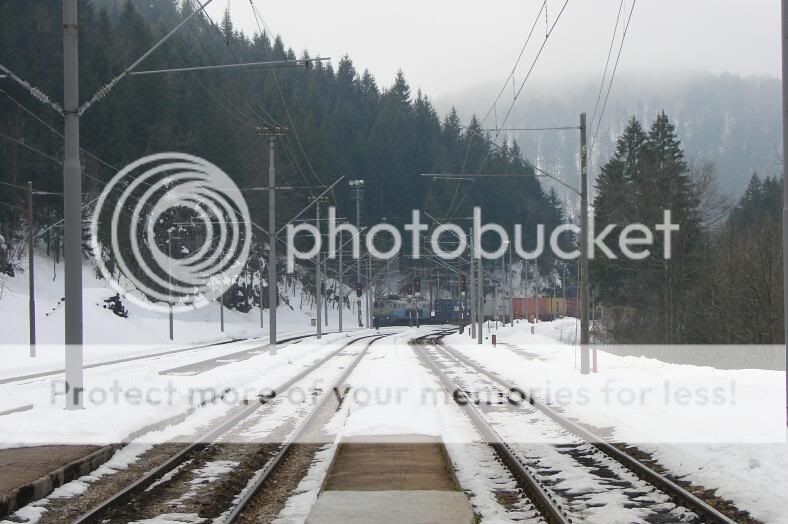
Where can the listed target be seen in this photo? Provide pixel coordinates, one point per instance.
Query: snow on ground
(146, 329)
(723, 429)
(393, 394)
(123, 398)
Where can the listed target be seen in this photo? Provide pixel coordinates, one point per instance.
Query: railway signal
(417, 285)
(359, 289)
(462, 283)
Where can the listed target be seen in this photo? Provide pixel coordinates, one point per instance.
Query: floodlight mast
(357, 189)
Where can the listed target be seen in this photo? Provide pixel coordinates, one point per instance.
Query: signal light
(359, 289)
(417, 285)
(462, 283)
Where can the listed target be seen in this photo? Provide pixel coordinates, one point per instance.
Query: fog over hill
(729, 120)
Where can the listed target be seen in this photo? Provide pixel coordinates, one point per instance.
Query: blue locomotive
(398, 311)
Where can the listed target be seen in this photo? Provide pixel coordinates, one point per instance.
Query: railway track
(237, 355)
(215, 458)
(571, 475)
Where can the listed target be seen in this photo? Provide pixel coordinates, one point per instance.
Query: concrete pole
(318, 282)
(536, 293)
(472, 283)
(261, 295)
(31, 270)
(511, 289)
(785, 189)
(496, 305)
(480, 298)
(273, 291)
(369, 291)
(584, 284)
(527, 293)
(72, 208)
(169, 279)
(341, 281)
(357, 191)
(431, 303)
(221, 315)
(325, 302)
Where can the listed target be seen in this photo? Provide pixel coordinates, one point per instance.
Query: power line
(104, 91)
(55, 131)
(506, 82)
(23, 188)
(528, 75)
(231, 110)
(295, 131)
(36, 92)
(516, 96)
(31, 148)
(258, 20)
(517, 62)
(257, 12)
(607, 64)
(266, 117)
(234, 111)
(613, 76)
(555, 128)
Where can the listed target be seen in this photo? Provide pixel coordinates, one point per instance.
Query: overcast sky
(446, 46)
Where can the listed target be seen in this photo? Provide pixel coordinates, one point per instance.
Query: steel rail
(251, 491)
(44, 374)
(97, 513)
(551, 508)
(677, 493)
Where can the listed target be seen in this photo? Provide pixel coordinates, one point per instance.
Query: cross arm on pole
(104, 91)
(302, 62)
(33, 90)
(329, 188)
(541, 173)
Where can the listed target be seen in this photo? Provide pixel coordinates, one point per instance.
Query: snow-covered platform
(391, 507)
(391, 479)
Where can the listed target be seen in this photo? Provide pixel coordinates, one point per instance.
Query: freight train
(546, 308)
(399, 311)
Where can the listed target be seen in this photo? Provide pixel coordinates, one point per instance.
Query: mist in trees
(723, 282)
(342, 121)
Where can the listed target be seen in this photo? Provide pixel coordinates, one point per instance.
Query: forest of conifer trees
(723, 285)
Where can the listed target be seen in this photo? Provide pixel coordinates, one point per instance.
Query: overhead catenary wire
(53, 130)
(527, 77)
(613, 75)
(34, 91)
(104, 91)
(231, 109)
(453, 207)
(607, 64)
(31, 148)
(554, 128)
(259, 22)
(265, 117)
(506, 82)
